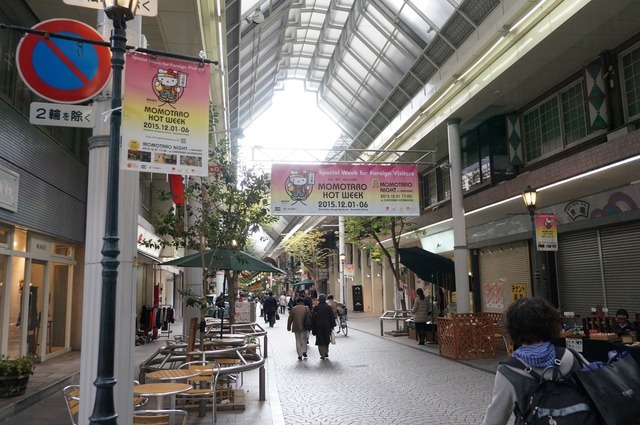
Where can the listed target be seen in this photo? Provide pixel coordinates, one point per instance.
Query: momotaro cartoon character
(299, 185)
(548, 223)
(166, 85)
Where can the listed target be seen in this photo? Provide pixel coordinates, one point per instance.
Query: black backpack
(556, 399)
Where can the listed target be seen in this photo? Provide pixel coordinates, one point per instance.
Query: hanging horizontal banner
(165, 121)
(345, 190)
(546, 232)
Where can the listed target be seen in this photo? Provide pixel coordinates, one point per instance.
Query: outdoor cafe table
(161, 389)
(172, 374)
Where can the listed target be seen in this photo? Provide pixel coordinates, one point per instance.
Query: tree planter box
(13, 386)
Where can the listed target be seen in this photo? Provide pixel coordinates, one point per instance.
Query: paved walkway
(367, 379)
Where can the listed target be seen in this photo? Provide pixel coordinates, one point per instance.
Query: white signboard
(62, 115)
(243, 312)
(575, 344)
(145, 7)
(9, 182)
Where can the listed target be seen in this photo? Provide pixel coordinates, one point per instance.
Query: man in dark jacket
(271, 308)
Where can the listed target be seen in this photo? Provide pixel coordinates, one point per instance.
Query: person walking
(420, 310)
(282, 303)
(295, 324)
(323, 322)
(333, 304)
(531, 323)
(271, 309)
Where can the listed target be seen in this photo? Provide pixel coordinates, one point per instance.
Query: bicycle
(342, 321)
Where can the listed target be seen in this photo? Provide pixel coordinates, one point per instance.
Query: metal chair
(204, 385)
(500, 335)
(72, 397)
(160, 417)
(138, 401)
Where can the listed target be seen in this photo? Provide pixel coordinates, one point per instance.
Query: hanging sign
(165, 123)
(61, 115)
(546, 232)
(64, 71)
(349, 271)
(345, 190)
(145, 7)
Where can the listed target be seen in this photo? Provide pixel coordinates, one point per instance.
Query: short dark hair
(330, 296)
(532, 320)
(623, 312)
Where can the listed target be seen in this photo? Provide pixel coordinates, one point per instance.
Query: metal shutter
(620, 255)
(579, 272)
(508, 264)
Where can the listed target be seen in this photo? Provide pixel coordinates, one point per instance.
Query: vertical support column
(341, 254)
(460, 250)
(126, 280)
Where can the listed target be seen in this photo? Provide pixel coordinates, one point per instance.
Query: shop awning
(430, 267)
(305, 283)
(225, 259)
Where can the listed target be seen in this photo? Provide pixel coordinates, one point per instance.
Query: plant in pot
(14, 374)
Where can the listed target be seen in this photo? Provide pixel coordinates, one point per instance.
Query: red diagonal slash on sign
(72, 66)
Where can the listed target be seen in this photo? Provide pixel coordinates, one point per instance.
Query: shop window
(630, 70)
(435, 187)
(555, 123)
(483, 154)
(5, 232)
(62, 250)
(20, 239)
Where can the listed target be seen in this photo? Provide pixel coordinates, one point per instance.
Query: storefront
(504, 275)
(157, 284)
(35, 293)
(600, 267)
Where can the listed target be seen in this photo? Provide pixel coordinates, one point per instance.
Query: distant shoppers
(333, 304)
(282, 303)
(624, 326)
(271, 309)
(531, 323)
(307, 299)
(421, 310)
(323, 323)
(295, 324)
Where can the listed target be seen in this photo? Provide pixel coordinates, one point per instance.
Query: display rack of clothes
(154, 319)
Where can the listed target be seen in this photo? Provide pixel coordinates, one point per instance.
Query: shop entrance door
(33, 314)
(58, 311)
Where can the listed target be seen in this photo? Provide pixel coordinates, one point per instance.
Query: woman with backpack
(532, 323)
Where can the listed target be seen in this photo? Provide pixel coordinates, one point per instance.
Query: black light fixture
(119, 11)
(530, 197)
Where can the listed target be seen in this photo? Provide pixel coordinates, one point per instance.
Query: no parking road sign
(64, 71)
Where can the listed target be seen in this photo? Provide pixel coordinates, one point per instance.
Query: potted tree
(14, 374)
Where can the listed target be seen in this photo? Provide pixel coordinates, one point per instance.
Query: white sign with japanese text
(62, 115)
(145, 7)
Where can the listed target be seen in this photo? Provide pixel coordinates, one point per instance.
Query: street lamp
(119, 11)
(530, 196)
